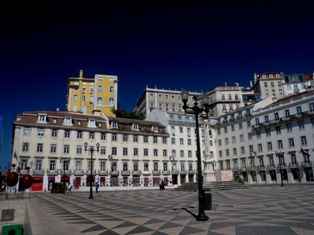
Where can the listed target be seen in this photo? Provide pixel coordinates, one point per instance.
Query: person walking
(70, 188)
(97, 186)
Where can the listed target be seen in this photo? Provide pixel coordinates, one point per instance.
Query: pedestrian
(70, 188)
(162, 185)
(97, 186)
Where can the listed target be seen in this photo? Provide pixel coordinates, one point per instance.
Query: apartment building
(268, 84)
(88, 94)
(297, 82)
(131, 153)
(161, 99)
(269, 140)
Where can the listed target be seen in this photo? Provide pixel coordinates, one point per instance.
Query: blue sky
(168, 44)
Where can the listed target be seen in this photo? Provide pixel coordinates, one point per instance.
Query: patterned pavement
(269, 210)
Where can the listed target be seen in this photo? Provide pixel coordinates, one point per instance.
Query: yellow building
(88, 94)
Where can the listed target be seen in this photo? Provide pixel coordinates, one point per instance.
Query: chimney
(81, 73)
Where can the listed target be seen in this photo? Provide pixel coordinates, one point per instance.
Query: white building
(131, 153)
(161, 99)
(297, 82)
(249, 140)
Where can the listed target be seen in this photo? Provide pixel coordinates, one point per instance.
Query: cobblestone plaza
(256, 210)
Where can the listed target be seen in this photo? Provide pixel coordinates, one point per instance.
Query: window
(145, 139)
(91, 123)
(258, 135)
(276, 116)
(114, 137)
(52, 165)
(249, 136)
(91, 135)
(79, 135)
(267, 131)
(251, 148)
(189, 142)
(155, 152)
(164, 140)
(181, 140)
(114, 125)
(25, 147)
(102, 150)
(269, 146)
(78, 165)
(232, 127)
(125, 138)
(248, 123)
(38, 165)
(53, 148)
(241, 138)
(220, 153)
(173, 141)
(100, 88)
(266, 118)
(223, 97)
(135, 126)
(260, 148)
(102, 165)
(103, 136)
(289, 127)
(165, 166)
(265, 84)
(66, 134)
(301, 124)
(181, 129)
(111, 89)
(135, 138)
(311, 106)
(234, 151)
(278, 130)
(189, 153)
(54, 133)
(303, 140)
(291, 142)
(243, 162)
(135, 151)
(256, 121)
(114, 151)
(111, 101)
(279, 144)
(39, 148)
(67, 121)
(287, 113)
(242, 150)
(135, 166)
(236, 97)
(125, 151)
(27, 131)
(66, 148)
(155, 140)
(299, 110)
(240, 126)
(145, 152)
(227, 152)
(164, 153)
(181, 153)
(40, 132)
(233, 139)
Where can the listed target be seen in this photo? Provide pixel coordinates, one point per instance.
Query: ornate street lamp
(280, 156)
(197, 109)
(91, 149)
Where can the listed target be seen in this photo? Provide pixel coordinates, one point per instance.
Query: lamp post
(280, 156)
(91, 149)
(197, 109)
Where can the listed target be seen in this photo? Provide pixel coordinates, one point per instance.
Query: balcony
(294, 165)
(51, 172)
(271, 167)
(283, 165)
(156, 172)
(146, 173)
(261, 167)
(175, 172)
(252, 168)
(103, 172)
(78, 172)
(183, 172)
(138, 172)
(166, 172)
(125, 173)
(24, 172)
(66, 172)
(190, 172)
(306, 164)
(38, 172)
(115, 173)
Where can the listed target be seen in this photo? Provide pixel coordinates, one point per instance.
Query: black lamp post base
(90, 197)
(202, 217)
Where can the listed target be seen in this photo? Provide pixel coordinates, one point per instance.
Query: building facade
(161, 99)
(88, 94)
(251, 141)
(182, 143)
(132, 152)
(268, 84)
(297, 82)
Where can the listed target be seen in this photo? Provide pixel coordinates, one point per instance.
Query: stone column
(179, 179)
(278, 177)
(290, 176)
(249, 178)
(268, 178)
(258, 177)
